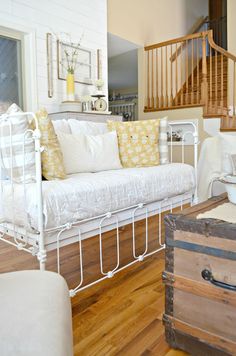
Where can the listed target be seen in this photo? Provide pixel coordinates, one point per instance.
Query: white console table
(83, 116)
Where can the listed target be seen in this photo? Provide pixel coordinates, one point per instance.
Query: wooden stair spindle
(171, 77)
(157, 76)
(186, 73)
(181, 74)
(204, 90)
(166, 96)
(210, 77)
(198, 86)
(148, 82)
(222, 81)
(152, 74)
(216, 81)
(233, 120)
(162, 95)
(192, 73)
(234, 91)
(176, 76)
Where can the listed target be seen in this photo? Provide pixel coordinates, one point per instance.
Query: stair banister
(231, 86)
(195, 29)
(165, 78)
(192, 71)
(218, 48)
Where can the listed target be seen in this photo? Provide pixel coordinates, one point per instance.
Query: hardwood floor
(119, 316)
(123, 316)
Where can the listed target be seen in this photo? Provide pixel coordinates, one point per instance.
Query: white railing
(127, 110)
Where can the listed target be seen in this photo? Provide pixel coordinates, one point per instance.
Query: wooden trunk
(200, 316)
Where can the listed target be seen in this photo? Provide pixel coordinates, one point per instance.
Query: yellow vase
(70, 87)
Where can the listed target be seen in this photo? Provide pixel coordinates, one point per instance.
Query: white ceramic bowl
(230, 186)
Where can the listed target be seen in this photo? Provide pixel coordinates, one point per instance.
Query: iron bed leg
(38, 149)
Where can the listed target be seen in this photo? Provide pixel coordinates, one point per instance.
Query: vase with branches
(70, 62)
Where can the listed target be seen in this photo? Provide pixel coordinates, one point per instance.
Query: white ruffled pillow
(61, 125)
(86, 153)
(87, 127)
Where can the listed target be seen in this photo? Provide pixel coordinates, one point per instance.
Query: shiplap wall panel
(71, 16)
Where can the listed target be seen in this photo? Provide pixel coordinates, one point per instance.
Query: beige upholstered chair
(35, 315)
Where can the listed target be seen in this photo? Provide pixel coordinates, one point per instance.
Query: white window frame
(27, 37)
(21, 85)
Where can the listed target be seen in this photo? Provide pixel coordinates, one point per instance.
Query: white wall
(71, 16)
(231, 25)
(147, 22)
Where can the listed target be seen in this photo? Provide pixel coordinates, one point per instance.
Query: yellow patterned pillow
(138, 142)
(52, 158)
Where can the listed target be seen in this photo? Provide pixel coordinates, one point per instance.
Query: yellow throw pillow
(52, 158)
(138, 142)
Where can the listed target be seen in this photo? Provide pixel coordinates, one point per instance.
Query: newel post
(204, 84)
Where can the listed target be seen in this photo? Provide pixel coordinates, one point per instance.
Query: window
(11, 90)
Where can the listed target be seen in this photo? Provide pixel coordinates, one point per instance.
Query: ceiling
(117, 45)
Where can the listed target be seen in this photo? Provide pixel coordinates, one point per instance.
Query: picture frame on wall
(49, 64)
(85, 68)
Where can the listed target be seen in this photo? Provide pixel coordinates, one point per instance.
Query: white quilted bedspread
(87, 195)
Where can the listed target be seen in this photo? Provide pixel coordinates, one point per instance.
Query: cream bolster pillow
(86, 153)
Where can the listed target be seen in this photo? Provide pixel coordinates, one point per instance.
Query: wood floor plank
(111, 298)
(159, 347)
(142, 341)
(133, 326)
(176, 353)
(115, 320)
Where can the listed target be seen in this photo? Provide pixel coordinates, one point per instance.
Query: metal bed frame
(38, 243)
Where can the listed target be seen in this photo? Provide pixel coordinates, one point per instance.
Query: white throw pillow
(228, 148)
(87, 127)
(61, 125)
(86, 153)
(17, 157)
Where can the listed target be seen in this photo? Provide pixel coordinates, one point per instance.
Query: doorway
(123, 77)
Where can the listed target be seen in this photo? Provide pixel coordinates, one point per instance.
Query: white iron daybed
(47, 215)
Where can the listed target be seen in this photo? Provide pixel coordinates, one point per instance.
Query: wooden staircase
(190, 93)
(192, 71)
